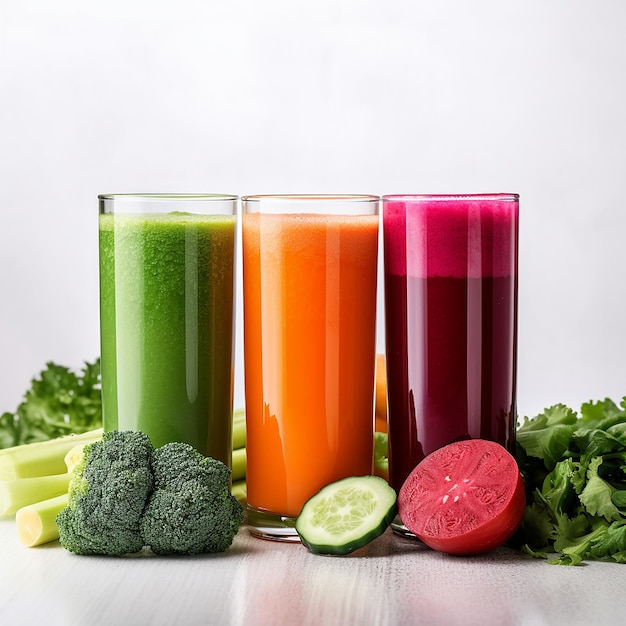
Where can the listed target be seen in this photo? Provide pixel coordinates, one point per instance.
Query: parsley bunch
(59, 402)
(574, 466)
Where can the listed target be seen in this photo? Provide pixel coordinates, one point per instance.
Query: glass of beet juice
(451, 323)
(166, 317)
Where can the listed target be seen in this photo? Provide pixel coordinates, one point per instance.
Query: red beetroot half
(465, 498)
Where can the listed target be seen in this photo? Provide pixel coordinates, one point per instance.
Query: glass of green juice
(167, 280)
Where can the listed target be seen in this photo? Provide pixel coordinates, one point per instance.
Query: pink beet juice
(451, 322)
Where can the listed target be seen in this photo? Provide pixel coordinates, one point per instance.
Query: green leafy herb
(59, 402)
(574, 466)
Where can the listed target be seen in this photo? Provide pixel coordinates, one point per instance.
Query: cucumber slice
(346, 515)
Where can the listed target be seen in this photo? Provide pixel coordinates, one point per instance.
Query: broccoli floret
(191, 510)
(124, 495)
(107, 495)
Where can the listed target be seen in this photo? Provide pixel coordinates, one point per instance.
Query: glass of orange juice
(309, 287)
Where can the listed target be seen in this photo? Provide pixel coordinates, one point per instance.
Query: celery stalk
(36, 523)
(42, 458)
(239, 491)
(239, 464)
(239, 429)
(74, 456)
(15, 494)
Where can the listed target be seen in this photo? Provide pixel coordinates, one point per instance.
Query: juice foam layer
(456, 237)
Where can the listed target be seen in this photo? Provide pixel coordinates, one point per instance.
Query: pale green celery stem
(42, 458)
(15, 494)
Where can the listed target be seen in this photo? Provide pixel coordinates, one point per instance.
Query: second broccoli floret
(107, 495)
(191, 510)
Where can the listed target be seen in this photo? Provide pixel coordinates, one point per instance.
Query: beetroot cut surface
(465, 498)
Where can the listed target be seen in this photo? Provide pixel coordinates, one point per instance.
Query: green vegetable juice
(166, 307)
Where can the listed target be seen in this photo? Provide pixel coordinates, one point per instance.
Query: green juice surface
(166, 315)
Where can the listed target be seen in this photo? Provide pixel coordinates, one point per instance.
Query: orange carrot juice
(309, 339)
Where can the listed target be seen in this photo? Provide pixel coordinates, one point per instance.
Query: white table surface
(391, 581)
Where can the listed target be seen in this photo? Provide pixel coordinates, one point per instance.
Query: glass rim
(311, 197)
(160, 197)
(440, 197)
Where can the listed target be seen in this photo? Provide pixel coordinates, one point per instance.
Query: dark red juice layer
(457, 379)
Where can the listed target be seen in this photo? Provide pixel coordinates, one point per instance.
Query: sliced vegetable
(465, 498)
(41, 458)
(239, 464)
(15, 494)
(74, 456)
(239, 429)
(239, 490)
(381, 455)
(36, 523)
(346, 515)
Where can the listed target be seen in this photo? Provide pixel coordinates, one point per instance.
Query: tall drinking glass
(451, 323)
(166, 317)
(309, 283)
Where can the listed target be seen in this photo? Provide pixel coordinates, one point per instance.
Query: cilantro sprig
(574, 466)
(59, 402)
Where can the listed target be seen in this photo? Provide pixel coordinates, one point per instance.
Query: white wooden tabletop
(391, 581)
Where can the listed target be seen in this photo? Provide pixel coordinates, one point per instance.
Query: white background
(352, 96)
